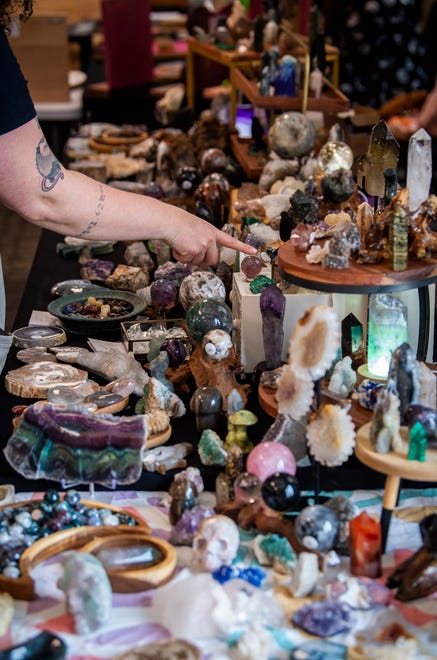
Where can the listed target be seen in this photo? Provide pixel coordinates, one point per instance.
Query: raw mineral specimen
(361, 593)
(87, 589)
(96, 269)
(324, 618)
(77, 447)
(211, 449)
(419, 169)
(338, 186)
(427, 417)
(404, 377)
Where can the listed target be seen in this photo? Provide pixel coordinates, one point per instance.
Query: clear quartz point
(419, 168)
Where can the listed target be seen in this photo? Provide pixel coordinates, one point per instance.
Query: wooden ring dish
(23, 587)
(130, 580)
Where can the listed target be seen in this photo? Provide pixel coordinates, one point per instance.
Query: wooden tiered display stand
(331, 101)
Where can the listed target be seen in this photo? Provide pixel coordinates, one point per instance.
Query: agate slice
(315, 341)
(77, 447)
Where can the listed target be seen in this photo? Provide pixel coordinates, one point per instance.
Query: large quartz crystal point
(272, 306)
(383, 152)
(419, 168)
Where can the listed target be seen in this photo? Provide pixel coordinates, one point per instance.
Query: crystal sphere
(217, 345)
(269, 457)
(317, 527)
(176, 351)
(292, 134)
(206, 315)
(153, 189)
(335, 155)
(251, 266)
(163, 294)
(281, 491)
(247, 487)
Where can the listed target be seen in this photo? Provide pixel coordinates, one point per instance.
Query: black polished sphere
(281, 492)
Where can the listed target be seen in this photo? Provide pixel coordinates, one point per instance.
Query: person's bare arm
(35, 185)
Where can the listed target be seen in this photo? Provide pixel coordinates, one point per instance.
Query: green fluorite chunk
(417, 445)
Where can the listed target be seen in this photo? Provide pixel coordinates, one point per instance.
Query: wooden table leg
(190, 78)
(389, 501)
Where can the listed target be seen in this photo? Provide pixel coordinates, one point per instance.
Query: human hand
(198, 243)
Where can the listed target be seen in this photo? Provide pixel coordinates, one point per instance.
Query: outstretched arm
(35, 185)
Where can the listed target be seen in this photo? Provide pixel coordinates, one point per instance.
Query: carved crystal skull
(215, 543)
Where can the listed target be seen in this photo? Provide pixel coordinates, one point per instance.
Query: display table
(395, 466)
(195, 607)
(47, 269)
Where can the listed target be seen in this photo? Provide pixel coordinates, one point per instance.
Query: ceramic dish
(67, 309)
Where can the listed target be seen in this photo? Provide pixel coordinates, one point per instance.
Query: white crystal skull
(215, 543)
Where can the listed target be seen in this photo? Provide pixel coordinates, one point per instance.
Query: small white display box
(247, 322)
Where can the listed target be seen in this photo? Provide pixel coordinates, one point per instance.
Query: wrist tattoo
(99, 211)
(48, 166)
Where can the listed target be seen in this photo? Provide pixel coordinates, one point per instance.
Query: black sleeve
(16, 106)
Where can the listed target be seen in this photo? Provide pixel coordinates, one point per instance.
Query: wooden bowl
(125, 580)
(23, 587)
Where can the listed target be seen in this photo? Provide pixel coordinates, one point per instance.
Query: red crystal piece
(365, 546)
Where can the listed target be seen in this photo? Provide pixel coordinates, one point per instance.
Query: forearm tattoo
(48, 166)
(99, 211)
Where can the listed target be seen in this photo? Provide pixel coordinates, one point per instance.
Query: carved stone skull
(216, 543)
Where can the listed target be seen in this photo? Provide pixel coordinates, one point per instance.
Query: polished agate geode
(75, 446)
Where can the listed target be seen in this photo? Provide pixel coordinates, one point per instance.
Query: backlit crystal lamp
(387, 329)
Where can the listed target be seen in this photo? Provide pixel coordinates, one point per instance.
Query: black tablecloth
(47, 269)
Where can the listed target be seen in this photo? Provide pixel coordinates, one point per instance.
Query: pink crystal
(302, 237)
(269, 457)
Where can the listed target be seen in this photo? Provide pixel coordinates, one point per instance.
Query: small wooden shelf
(331, 100)
(251, 164)
(357, 278)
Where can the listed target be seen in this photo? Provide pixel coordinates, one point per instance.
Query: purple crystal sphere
(176, 351)
(154, 189)
(163, 294)
(281, 492)
(269, 457)
(251, 266)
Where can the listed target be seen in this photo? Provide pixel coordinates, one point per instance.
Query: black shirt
(16, 106)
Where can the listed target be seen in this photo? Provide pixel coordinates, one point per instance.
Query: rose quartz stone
(269, 457)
